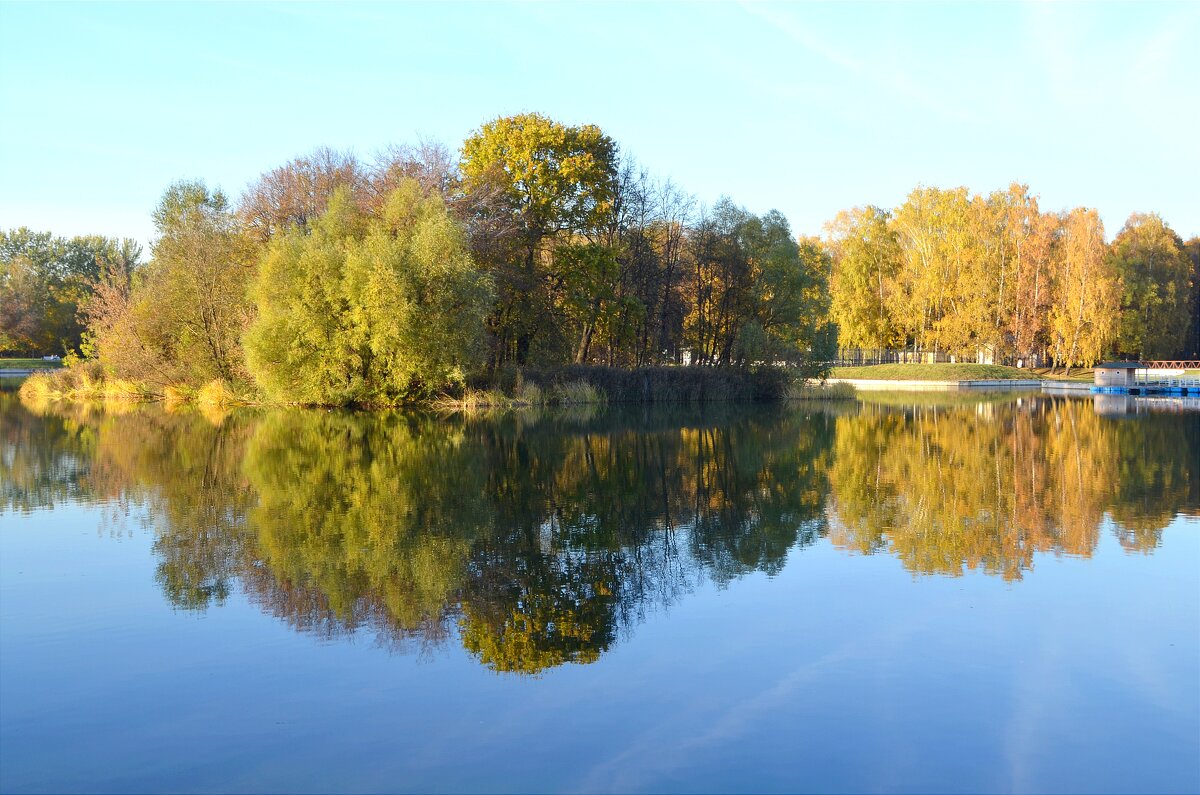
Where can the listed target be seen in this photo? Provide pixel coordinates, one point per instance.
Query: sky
(807, 108)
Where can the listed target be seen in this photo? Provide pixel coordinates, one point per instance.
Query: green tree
(1155, 276)
(46, 283)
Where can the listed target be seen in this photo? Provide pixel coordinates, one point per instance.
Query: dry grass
(87, 381)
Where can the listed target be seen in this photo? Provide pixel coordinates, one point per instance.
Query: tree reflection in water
(537, 540)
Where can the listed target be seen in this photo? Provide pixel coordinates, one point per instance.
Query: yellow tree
(933, 227)
(866, 260)
(1083, 317)
(556, 183)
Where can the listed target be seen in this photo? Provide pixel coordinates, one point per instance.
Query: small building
(1117, 373)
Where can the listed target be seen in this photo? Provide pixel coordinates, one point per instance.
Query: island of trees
(334, 280)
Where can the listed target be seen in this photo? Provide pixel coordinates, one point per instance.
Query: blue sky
(806, 108)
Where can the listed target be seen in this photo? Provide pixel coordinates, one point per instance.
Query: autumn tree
(934, 227)
(557, 182)
(1083, 318)
(866, 261)
(179, 319)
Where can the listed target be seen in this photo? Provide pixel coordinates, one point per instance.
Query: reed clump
(821, 390)
(524, 395)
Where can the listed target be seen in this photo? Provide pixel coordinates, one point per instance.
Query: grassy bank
(935, 372)
(29, 364)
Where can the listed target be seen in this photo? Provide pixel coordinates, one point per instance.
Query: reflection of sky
(841, 672)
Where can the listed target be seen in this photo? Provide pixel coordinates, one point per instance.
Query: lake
(922, 592)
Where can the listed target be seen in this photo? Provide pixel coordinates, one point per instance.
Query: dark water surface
(917, 593)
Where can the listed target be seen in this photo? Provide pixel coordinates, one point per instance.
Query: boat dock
(1149, 378)
(1153, 386)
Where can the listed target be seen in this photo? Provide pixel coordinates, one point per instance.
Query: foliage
(970, 275)
(1155, 274)
(1083, 319)
(368, 309)
(558, 182)
(539, 244)
(180, 318)
(867, 256)
(44, 283)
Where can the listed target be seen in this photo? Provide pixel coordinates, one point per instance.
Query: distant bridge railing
(1173, 364)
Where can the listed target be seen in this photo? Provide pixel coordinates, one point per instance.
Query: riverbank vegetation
(540, 247)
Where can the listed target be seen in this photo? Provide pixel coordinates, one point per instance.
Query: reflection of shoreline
(1133, 405)
(539, 540)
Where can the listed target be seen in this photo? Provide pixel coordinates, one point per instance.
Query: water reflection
(538, 540)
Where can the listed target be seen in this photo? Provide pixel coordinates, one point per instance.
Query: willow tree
(369, 309)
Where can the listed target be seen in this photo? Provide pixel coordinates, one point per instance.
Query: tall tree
(557, 181)
(1083, 319)
(866, 261)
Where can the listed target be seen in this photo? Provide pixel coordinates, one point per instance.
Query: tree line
(952, 272)
(538, 244)
(334, 280)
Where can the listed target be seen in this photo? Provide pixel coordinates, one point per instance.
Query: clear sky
(806, 108)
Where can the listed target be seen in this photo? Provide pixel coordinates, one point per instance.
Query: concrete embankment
(937, 386)
(1051, 386)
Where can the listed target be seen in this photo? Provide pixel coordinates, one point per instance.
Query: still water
(915, 593)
